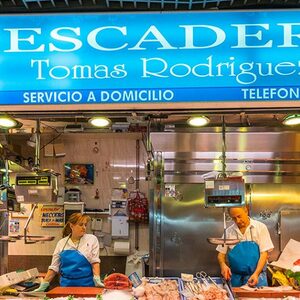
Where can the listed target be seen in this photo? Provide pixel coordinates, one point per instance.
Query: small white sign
(33, 192)
(209, 184)
(20, 198)
(224, 187)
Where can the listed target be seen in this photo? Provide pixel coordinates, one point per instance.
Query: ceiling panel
(21, 6)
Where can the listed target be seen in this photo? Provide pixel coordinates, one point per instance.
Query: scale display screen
(236, 200)
(38, 180)
(225, 192)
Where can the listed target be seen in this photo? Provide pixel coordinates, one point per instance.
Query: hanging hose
(224, 225)
(149, 152)
(223, 157)
(37, 146)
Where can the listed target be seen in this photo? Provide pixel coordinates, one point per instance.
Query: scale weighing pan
(38, 237)
(9, 238)
(222, 241)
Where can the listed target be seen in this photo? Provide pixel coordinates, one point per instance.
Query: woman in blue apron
(75, 269)
(76, 257)
(247, 262)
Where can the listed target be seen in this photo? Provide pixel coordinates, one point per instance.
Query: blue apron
(75, 269)
(243, 259)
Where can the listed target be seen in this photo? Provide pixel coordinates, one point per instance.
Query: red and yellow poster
(52, 216)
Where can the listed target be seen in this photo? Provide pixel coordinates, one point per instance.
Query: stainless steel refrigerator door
(186, 225)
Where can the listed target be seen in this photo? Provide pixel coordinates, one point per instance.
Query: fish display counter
(164, 288)
(119, 287)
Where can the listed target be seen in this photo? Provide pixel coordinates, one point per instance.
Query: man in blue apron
(76, 257)
(246, 261)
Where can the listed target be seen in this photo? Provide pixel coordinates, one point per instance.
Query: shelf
(15, 167)
(97, 212)
(31, 238)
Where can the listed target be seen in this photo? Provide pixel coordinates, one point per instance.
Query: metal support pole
(223, 148)
(137, 166)
(37, 145)
(6, 181)
(137, 186)
(27, 224)
(224, 223)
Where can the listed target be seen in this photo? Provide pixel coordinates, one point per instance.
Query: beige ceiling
(160, 121)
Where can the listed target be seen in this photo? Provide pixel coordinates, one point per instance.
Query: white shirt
(256, 232)
(88, 246)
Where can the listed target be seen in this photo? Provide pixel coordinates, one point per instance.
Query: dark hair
(74, 219)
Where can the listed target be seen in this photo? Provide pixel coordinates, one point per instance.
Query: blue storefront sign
(237, 56)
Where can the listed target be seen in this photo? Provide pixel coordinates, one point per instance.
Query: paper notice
(288, 256)
(209, 184)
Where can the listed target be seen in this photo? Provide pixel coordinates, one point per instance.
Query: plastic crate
(218, 281)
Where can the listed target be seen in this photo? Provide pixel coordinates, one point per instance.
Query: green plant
(99, 297)
(294, 275)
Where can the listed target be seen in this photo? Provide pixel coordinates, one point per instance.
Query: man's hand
(97, 281)
(253, 280)
(43, 287)
(225, 271)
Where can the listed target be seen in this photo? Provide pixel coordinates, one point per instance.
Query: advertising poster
(52, 216)
(79, 173)
(14, 226)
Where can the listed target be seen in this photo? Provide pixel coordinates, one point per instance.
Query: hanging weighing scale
(224, 192)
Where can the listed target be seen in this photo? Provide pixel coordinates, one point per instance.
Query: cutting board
(264, 294)
(75, 291)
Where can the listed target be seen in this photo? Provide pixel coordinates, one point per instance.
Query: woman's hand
(43, 287)
(97, 281)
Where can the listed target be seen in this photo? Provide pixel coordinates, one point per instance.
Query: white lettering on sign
(244, 73)
(52, 97)
(92, 38)
(70, 39)
(137, 95)
(219, 34)
(270, 93)
(45, 70)
(102, 96)
(244, 38)
(16, 40)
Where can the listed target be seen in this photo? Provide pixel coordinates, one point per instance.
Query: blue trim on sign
(242, 56)
(127, 96)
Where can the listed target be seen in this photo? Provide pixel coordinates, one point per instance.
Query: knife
(228, 284)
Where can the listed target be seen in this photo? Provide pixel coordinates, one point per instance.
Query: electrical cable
(56, 137)
(105, 250)
(53, 128)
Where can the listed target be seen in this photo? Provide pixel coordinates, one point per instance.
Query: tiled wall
(114, 163)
